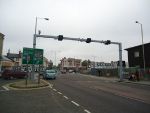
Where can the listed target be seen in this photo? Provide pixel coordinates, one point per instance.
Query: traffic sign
(32, 56)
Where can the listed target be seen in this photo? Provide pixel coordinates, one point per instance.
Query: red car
(8, 74)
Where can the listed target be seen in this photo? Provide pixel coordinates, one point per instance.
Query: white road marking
(87, 111)
(75, 103)
(66, 97)
(50, 86)
(54, 89)
(5, 88)
(59, 93)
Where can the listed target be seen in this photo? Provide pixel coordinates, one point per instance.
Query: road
(75, 93)
(100, 96)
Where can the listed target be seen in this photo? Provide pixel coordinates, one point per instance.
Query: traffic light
(88, 40)
(60, 37)
(107, 42)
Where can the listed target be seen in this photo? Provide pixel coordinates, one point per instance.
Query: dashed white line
(87, 111)
(66, 97)
(59, 93)
(75, 103)
(50, 86)
(5, 88)
(54, 89)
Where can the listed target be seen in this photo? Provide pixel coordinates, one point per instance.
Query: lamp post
(34, 40)
(142, 44)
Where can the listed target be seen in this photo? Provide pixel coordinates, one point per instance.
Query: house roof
(4, 58)
(13, 55)
(2, 35)
(136, 46)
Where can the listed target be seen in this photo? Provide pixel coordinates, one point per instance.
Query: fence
(115, 72)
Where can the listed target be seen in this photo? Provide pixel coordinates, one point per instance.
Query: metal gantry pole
(96, 41)
(120, 62)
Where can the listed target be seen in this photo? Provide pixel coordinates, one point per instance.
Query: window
(136, 54)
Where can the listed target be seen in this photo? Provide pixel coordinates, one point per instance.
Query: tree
(85, 63)
(88, 63)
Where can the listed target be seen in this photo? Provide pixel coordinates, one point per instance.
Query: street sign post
(34, 57)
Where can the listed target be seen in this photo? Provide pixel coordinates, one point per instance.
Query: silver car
(50, 74)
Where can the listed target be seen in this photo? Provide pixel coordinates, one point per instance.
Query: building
(100, 65)
(104, 65)
(70, 64)
(135, 56)
(1, 48)
(45, 62)
(17, 58)
(1, 43)
(6, 63)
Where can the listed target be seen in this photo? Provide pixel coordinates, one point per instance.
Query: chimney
(20, 54)
(8, 53)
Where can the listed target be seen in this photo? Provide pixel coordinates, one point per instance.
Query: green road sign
(32, 56)
(38, 56)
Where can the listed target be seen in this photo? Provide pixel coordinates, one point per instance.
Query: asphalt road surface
(98, 96)
(75, 93)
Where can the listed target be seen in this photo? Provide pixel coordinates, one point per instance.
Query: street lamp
(34, 40)
(142, 44)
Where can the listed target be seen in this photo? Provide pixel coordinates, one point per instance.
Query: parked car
(50, 74)
(0, 74)
(8, 74)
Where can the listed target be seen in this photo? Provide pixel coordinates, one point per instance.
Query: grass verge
(30, 84)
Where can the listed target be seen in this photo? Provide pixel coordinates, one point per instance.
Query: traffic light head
(107, 42)
(88, 40)
(60, 37)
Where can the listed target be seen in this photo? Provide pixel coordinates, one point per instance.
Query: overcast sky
(97, 19)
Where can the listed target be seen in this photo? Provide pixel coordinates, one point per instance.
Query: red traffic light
(60, 37)
(88, 40)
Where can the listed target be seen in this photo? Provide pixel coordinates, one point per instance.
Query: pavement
(115, 79)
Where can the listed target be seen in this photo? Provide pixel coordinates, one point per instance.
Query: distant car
(63, 71)
(41, 73)
(71, 71)
(8, 74)
(50, 74)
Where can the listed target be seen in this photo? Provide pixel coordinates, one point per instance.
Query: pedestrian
(99, 72)
(132, 77)
(137, 75)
